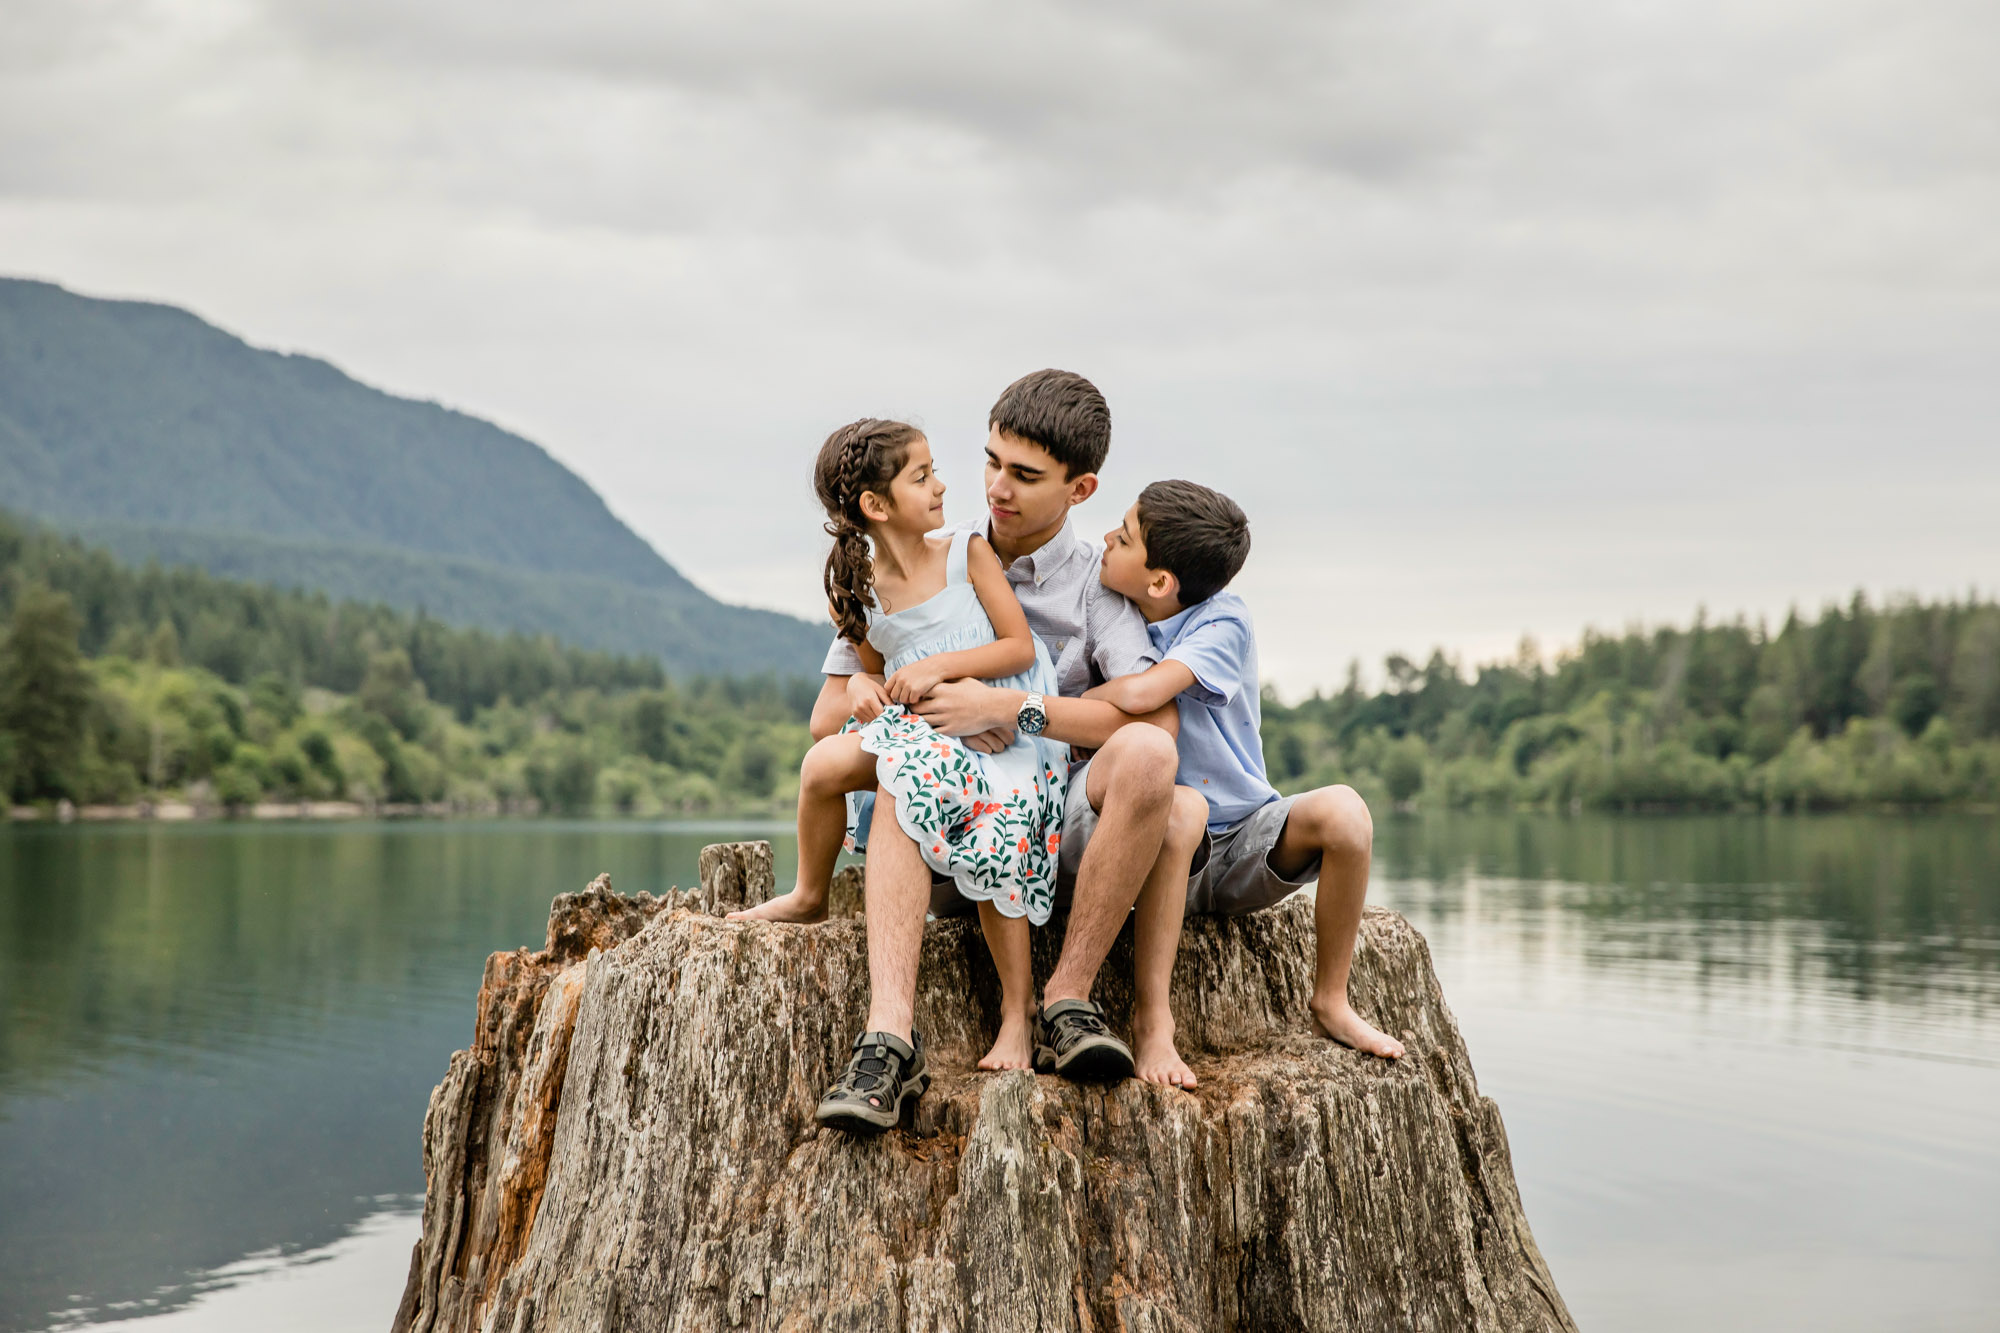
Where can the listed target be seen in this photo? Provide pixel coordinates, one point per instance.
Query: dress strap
(955, 568)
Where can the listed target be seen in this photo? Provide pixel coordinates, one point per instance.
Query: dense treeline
(241, 631)
(1897, 704)
(119, 684)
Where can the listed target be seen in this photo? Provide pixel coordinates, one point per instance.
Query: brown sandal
(1072, 1039)
(883, 1076)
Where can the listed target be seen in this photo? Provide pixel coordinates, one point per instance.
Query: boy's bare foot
(1013, 1048)
(793, 906)
(1154, 1055)
(1338, 1020)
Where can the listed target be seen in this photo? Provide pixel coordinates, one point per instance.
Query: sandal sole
(1104, 1060)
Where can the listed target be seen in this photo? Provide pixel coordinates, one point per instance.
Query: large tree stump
(629, 1145)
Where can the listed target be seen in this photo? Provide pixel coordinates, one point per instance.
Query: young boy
(1172, 554)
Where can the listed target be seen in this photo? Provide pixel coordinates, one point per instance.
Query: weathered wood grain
(629, 1145)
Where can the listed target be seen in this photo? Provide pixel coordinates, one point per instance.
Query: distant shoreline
(187, 812)
(280, 812)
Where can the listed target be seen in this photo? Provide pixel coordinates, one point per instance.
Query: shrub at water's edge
(151, 730)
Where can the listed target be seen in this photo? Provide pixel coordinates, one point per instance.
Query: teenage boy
(1047, 437)
(1172, 555)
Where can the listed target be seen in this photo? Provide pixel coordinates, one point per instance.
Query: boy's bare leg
(1156, 938)
(897, 897)
(832, 768)
(1007, 939)
(1130, 784)
(1334, 823)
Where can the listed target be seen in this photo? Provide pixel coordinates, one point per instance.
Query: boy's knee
(1186, 821)
(1341, 821)
(1143, 757)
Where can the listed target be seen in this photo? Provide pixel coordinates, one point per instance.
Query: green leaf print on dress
(993, 823)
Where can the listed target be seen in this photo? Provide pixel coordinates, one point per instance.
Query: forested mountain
(157, 435)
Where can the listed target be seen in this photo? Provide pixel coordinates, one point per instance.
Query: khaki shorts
(1231, 873)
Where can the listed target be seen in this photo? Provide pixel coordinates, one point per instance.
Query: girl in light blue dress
(924, 606)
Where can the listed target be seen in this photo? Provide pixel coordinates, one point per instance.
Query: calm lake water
(1750, 1068)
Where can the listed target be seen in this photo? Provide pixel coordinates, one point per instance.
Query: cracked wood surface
(629, 1145)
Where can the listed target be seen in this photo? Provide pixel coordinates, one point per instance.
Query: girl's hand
(866, 698)
(915, 681)
(990, 742)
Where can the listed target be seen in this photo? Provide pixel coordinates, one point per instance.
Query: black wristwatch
(1032, 717)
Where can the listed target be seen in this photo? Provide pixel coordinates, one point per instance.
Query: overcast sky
(1497, 319)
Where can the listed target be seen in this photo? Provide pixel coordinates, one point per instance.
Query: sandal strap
(1071, 1021)
(877, 1068)
(896, 1044)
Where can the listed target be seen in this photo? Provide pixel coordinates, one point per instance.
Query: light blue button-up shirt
(1221, 746)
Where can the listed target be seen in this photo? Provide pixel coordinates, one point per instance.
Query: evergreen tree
(45, 694)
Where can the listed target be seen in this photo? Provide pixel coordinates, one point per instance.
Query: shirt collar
(1045, 560)
(1162, 632)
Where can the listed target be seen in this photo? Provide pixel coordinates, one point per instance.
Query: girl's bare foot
(1337, 1019)
(1012, 1048)
(1154, 1056)
(793, 906)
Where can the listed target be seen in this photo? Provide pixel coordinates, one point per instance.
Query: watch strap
(1036, 706)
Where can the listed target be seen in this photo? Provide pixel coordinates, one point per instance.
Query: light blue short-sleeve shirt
(1221, 743)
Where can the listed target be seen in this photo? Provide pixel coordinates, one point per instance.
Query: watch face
(1032, 718)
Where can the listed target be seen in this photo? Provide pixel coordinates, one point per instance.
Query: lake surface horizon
(1749, 1065)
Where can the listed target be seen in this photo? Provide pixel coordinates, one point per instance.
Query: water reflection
(354, 1283)
(1750, 1067)
(218, 1040)
(1827, 926)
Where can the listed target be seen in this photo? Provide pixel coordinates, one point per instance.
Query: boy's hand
(909, 686)
(866, 698)
(968, 707)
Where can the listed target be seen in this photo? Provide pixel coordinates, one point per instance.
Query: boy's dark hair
(1062, 412)
(1196, 534)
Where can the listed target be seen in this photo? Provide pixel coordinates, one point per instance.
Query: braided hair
(861, 456)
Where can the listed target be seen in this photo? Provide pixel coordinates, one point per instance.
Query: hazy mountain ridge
(163, 437)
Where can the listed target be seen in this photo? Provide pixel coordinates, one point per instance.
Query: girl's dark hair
(861, 456)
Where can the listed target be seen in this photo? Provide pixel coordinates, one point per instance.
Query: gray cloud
(1496, 318)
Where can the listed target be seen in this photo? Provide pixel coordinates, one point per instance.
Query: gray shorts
(1231, 874)
(1079, 822)
(1232, 871)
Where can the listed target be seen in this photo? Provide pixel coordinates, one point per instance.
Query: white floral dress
(992, 822)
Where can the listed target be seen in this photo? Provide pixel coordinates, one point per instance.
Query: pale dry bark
(629, 1145)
